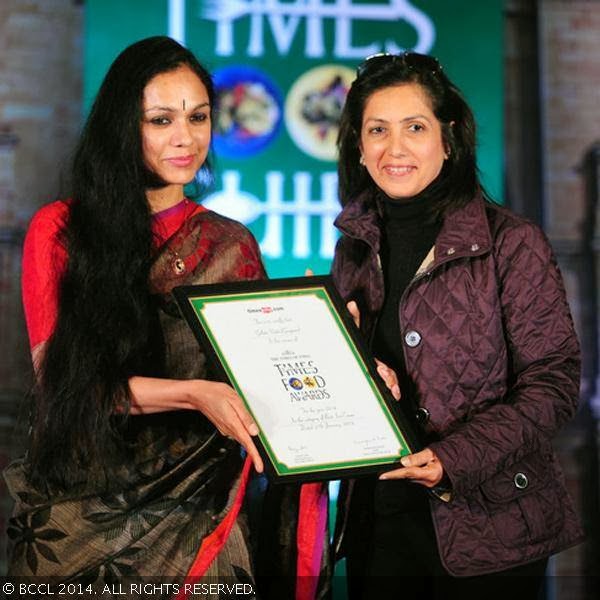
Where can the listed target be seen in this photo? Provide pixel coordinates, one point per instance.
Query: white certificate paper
(290, 357)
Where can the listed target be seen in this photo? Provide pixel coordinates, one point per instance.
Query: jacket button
(450, 251)
(422, 415)
(474, 247)
(412, 338)
(521, 481)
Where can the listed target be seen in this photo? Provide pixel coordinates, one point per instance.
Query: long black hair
(459, 177)
(106, 323)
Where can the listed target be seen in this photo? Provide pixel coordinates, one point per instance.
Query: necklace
(177, 263)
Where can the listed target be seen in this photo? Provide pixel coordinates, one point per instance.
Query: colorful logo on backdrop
(249, 111)
(313, 108)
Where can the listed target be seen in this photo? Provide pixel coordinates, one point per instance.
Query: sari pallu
(181, 486)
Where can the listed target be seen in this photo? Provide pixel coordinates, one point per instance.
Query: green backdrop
(283, 191)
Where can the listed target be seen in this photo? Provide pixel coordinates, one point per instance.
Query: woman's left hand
(422, 467)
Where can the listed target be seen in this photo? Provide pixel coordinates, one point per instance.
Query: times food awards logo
(303, 380)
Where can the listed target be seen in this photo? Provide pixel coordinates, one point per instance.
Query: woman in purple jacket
(465, 301)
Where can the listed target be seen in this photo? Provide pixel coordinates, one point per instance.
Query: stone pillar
(569, 81)
(8, 142)
(11, 235)
(590, 342)
(522, 126)
(40, 117)
(15, 360)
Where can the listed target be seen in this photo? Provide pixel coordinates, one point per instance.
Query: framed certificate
(292, 352)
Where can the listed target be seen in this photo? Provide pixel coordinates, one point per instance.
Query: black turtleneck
(408, 233)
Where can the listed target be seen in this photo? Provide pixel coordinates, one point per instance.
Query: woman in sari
(134, 464)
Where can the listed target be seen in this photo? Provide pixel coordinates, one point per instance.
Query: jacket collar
(360, 220)
(464, 232)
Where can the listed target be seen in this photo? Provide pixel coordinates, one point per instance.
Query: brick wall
(40, 97)
(570, 90)
(569, 33)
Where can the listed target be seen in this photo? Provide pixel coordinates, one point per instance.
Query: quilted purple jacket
(489, 341)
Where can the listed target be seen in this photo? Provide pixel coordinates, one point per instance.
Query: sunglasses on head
(411, 60)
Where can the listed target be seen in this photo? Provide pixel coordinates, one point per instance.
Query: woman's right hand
(389, 378)
(386, 373)
(354, 312)
(221, 404)
(217, 401)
